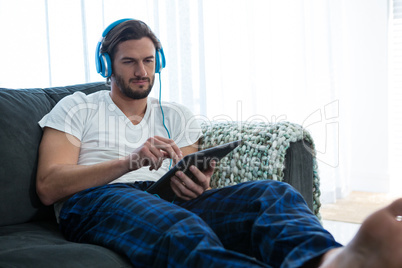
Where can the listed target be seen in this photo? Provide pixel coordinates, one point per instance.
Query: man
(100, 152)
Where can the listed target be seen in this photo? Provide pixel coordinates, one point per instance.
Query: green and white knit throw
(262, 154)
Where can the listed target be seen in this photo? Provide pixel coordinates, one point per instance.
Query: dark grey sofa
(29, 235)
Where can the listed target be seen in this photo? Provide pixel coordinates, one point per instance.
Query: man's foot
(378, 243)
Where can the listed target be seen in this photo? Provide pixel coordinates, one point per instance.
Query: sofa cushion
(20, 135)
(19, 141)
(40, 244)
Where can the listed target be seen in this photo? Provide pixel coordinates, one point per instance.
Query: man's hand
(153, 152)
(187, 189)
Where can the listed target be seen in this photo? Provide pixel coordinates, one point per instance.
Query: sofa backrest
(20, 135)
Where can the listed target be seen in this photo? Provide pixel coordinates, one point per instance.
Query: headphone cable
(163, 114)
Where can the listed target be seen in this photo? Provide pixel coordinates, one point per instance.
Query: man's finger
(181, 190)
(169, 146)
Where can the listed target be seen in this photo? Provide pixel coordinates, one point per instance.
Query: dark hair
(127, 30)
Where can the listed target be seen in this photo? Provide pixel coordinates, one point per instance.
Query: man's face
(134, 68)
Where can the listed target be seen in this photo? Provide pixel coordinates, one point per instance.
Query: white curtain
(395, 95)
(318, 63)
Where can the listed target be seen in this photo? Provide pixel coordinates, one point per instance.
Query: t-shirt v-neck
(116, 109)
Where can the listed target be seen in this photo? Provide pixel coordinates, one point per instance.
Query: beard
(142, 93)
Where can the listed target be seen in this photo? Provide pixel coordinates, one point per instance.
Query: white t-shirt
(105, 132)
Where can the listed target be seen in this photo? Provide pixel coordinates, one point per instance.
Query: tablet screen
(200, 159)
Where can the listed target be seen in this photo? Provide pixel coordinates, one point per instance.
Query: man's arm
(190, 149)
(59, 175)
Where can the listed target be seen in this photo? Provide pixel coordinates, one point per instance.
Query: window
(395, 93)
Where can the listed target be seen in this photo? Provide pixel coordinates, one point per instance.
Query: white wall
(360, 56)
(350, 98)
(365, 45)
(357, 158)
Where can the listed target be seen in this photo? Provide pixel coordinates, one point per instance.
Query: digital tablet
(200, 159)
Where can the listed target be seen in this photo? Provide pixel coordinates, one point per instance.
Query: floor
(343, 218)
(343, 232)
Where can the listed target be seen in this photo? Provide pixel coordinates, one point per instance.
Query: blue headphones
(104, 63)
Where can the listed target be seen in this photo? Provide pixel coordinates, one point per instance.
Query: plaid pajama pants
(252, 224)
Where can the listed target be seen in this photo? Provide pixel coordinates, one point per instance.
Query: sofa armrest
(282, 151)
(299, 171)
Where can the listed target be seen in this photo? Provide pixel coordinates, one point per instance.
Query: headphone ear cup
(106, 65)
(98, 58)
(157, 63)
(103, 62)
(160, 61)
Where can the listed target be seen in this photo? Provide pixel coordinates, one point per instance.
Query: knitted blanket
(262, 155)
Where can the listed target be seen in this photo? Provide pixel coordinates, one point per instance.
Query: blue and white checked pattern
(252, 224)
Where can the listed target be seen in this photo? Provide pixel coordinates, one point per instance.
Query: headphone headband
(104, 62)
